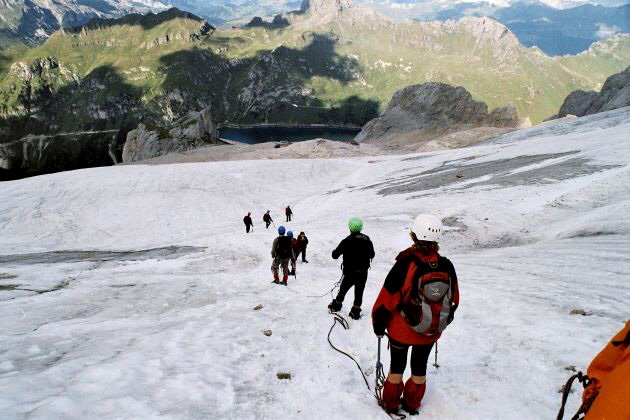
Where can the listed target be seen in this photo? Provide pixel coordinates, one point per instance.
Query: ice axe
(379, 381)
(437, 366)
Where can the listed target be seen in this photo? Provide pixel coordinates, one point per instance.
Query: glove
(379, 331)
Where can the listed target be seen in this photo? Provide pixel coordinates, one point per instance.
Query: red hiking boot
(391, 396)
(413, 396)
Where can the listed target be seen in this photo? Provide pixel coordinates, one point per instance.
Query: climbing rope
(585, 381)
(319, 296)
(344, 323)
(331, 290)
(328, 292)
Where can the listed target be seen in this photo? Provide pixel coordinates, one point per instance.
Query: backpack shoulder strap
(407, 289)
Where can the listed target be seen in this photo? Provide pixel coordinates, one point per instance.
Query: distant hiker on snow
(302, 242)
(418, 300)
(248, 222)
(357, 251)
(289, 213)
(282, 253)
(267, 219)
(294, 245)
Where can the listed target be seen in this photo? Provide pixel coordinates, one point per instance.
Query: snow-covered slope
(165, 326)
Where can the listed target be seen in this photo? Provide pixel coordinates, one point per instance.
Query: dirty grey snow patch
(169, 252)
(503, 173)
(447, 174)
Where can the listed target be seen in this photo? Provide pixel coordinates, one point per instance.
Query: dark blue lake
(262, 134)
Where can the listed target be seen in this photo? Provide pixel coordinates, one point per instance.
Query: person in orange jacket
(418, 300)
(609, 390)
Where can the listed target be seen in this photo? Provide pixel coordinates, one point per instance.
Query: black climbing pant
(419, 358)
(356, 279)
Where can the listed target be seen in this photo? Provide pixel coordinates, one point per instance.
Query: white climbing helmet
(427, 227)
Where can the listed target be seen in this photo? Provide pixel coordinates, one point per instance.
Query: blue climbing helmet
(290, 234)
(281, 230)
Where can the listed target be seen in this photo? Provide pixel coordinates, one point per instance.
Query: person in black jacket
(301, 249)
(248, 222)
(267, 219)
(357, 251)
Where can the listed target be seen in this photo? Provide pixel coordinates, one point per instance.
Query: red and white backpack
(428, 305)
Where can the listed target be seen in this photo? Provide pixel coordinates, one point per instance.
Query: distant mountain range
(33, 21)
(555, 31)
(330, 63)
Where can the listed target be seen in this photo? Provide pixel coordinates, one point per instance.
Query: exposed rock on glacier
(615, 94)
(419, 113)
(194, 130)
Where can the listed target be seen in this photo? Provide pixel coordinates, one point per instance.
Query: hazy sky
(554, 3)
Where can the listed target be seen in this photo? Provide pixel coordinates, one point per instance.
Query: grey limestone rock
(194, 130)
(615, 93)
(325, 6)
(432, 109)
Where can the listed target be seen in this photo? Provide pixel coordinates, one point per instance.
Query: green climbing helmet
(355, 225)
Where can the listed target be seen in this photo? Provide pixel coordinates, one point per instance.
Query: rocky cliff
(419, 113)
(325, 7)
(194, 130)
(42, 154)
(615, 94)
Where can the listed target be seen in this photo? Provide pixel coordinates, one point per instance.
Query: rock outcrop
(419, 113)
(325, 7)
(194, 130)
(278, 21)
(615, 94)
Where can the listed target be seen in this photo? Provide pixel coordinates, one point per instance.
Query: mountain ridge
(550, 28)
(340, 70)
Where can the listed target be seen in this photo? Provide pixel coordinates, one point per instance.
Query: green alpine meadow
(334, 65)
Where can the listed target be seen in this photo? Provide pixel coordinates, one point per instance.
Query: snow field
(537, 226)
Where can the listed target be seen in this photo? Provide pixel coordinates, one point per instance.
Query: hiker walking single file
(302, 241)
(288, 213)
(248, 222)
(267, 219)
(418, 300)
(282, 255)
(294, 245)
(358, 251)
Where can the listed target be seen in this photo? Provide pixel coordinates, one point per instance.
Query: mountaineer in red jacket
(418, 300)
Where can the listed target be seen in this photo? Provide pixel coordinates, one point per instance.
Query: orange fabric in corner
(610, 372)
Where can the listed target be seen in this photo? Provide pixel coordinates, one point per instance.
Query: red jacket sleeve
(389, 297)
